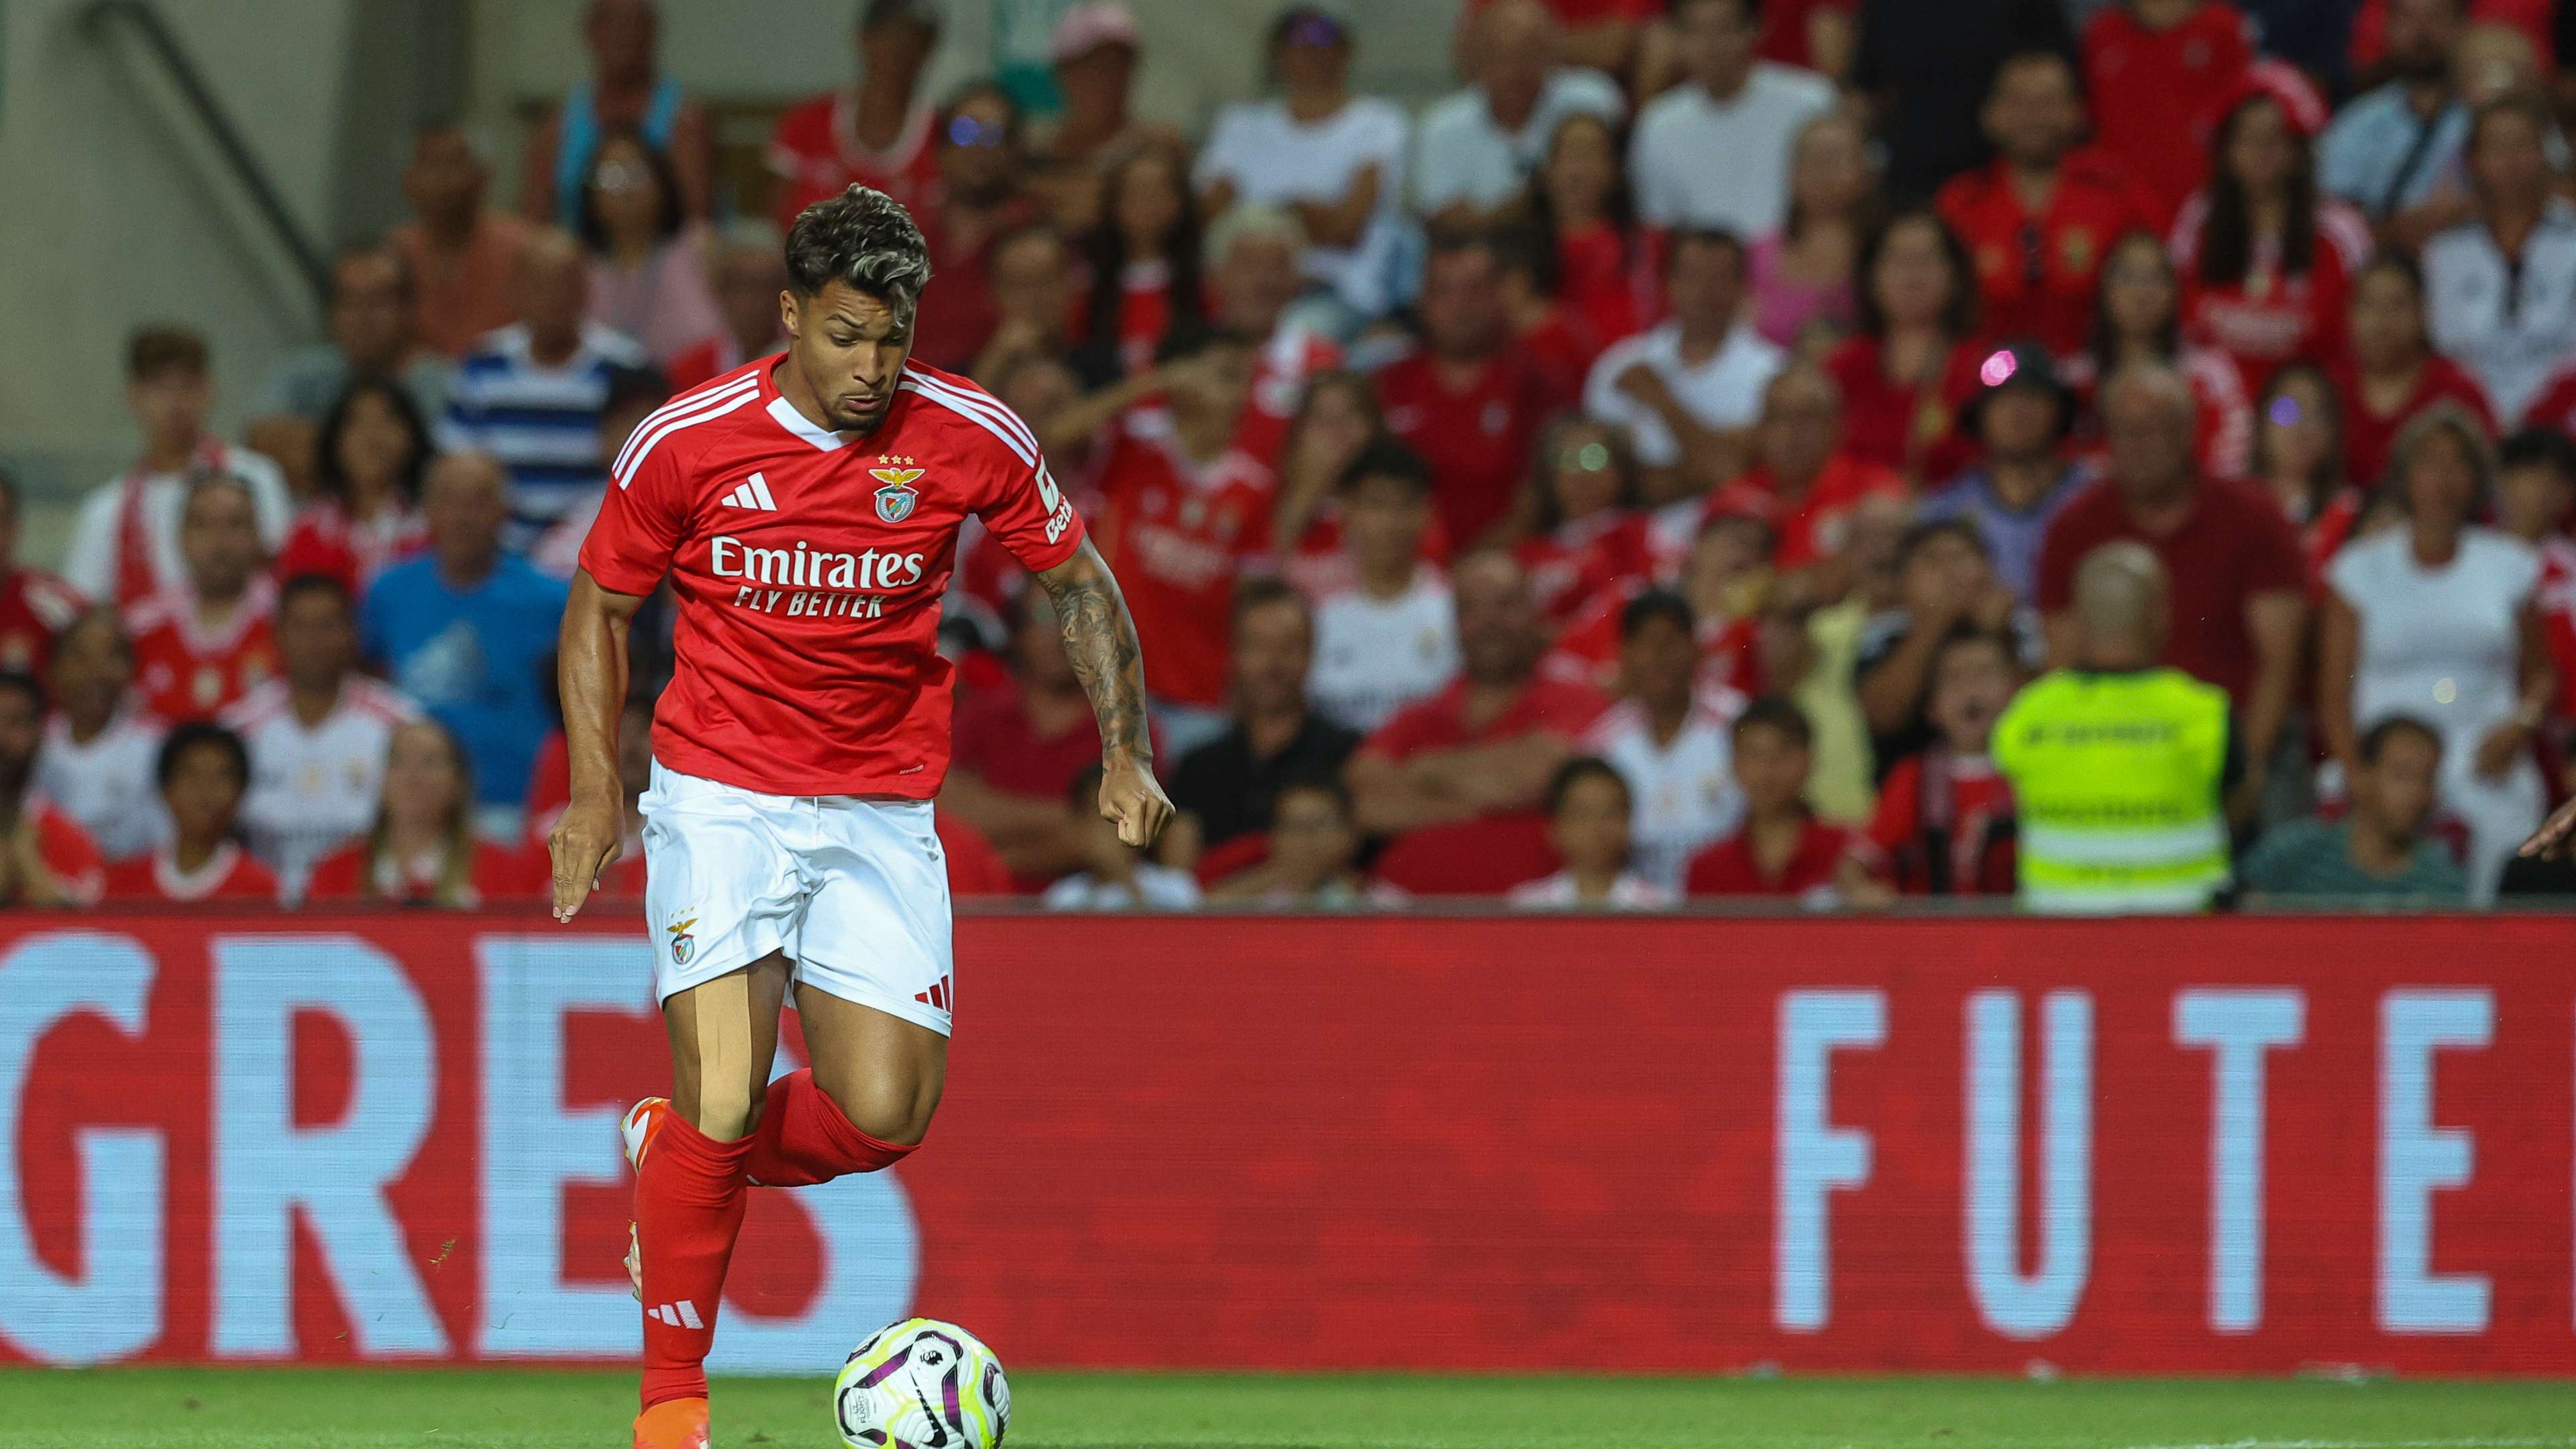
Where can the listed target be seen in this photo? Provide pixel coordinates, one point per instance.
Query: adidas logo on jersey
(683, 1314)
(754, 495)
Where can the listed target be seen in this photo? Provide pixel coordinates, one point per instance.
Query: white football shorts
(854, 891)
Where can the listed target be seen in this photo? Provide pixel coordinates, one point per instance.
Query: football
(921, 1384)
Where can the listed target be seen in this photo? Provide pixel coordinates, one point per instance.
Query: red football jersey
(2155, 92)
(2036, 271)
(2557, 600)
(2555, 407)
(232, 874)
(1729, 869)
(1912, 429)
(35, 608)
(2272, 317)
(1943, 833)
(1585, 560)
(809, 569)
(815, 154)
(2369, 437)
(1177, 532)
(1476, 439)
(186, 672)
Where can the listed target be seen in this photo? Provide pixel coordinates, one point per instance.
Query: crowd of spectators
(1648, 472)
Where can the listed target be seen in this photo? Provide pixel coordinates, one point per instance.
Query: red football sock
(688, 1207)
(805, 1138)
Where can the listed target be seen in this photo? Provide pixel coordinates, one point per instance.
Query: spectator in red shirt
(1805, 480)
(365, 513)
(199, 647)
(1944, 823)
(2535, 489)
(1914, 360)
(1033, 286)
(45, 858)
(747, 269)
(875, 133)
(1252, 255)
(625, 90)
(2266, 260)
(35, 606)
(2238, 597)
(1467, 400)
(2161, 67)
(2299, 462)
(1144, 264)
(2041, 218)
(1335, 420)
(975, 199)
(2392, 373)
(2137, 317)
(1586, 539)
(1485, 747)
(1598, 262)
(202, 771)
(1782, 848)
(422, 851)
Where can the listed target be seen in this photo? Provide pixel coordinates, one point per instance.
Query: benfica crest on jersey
(896, 498)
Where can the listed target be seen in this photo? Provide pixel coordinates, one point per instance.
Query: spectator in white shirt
(1714, 151)
(1120, 878)
(1588, 810)
(125, 544)
(1477, 147)
(1333, 159)
(100, 747)
(1690, 391)
(2501, 290)
(1669, 738)
(317, 735)
(1391, 637)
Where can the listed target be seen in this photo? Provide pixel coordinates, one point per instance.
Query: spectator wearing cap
(2391, 374)
(1386, 638)
(1915, 357)
(202, 645)
(1801, 274)
(1926, 71)
(1668, 736)
(1227, 786)
(2022, 414)
(201, 771)
(2040, 219)
(46, 858)
(460, 253)
(1587, 539)
(1477, 147)
(1460, 776)
(1946, 583)
(2266, 257)
(1145, 259)
(2439, 619)
(1337, 161)
(35, 606)
(1805, 483)
(1589, 808)
(365, 513)
(1093, 54)
(1781, 849)
(2379, 850)
(876, 132)
(1731, 104)
(1944, 823)
(2137, 317)
(371, 340)
(125, 539)
(977, 198)
(96, 765)
(2162, 67)
(648, 260)
(2229, 561)
(2502, 285)
(626, 90)
(530, 394)
(2389, 148)
(1465, 399)
(746, 270)
(1689, 392)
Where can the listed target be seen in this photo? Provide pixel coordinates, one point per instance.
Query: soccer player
(806, 509)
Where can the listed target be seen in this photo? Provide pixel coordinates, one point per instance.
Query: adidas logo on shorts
(940, 995)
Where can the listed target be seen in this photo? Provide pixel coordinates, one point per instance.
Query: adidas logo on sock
(683, 1314)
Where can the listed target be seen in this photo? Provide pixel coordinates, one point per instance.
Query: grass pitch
(371, 1409)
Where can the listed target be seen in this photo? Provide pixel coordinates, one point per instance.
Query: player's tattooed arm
(1100, 642)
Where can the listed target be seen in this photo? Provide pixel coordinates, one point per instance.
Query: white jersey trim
(687, 402)
(708, 413)
(995, 418)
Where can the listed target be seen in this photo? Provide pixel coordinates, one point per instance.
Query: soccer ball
(922, 1384)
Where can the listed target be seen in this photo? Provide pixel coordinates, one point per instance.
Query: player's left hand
(1131, 798)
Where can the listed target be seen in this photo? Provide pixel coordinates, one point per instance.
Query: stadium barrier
(2226, 1145)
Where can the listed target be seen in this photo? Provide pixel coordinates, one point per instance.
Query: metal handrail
(164, 43)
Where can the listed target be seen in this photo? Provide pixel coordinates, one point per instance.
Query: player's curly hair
(862, 237)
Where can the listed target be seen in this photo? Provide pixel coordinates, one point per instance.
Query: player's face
(315, 642)
(850, 348)
(204, 794)
(219, 538)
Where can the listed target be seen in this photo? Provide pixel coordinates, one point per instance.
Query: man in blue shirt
(2391, 147)
(467, 629)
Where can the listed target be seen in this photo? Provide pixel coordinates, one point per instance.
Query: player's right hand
(583, 842)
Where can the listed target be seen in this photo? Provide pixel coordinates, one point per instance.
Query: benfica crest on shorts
(896, 498)
(683, 945)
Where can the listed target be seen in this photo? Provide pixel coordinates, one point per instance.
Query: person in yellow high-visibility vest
(2120, 767)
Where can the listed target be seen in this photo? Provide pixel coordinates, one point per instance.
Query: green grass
(325, 1409)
